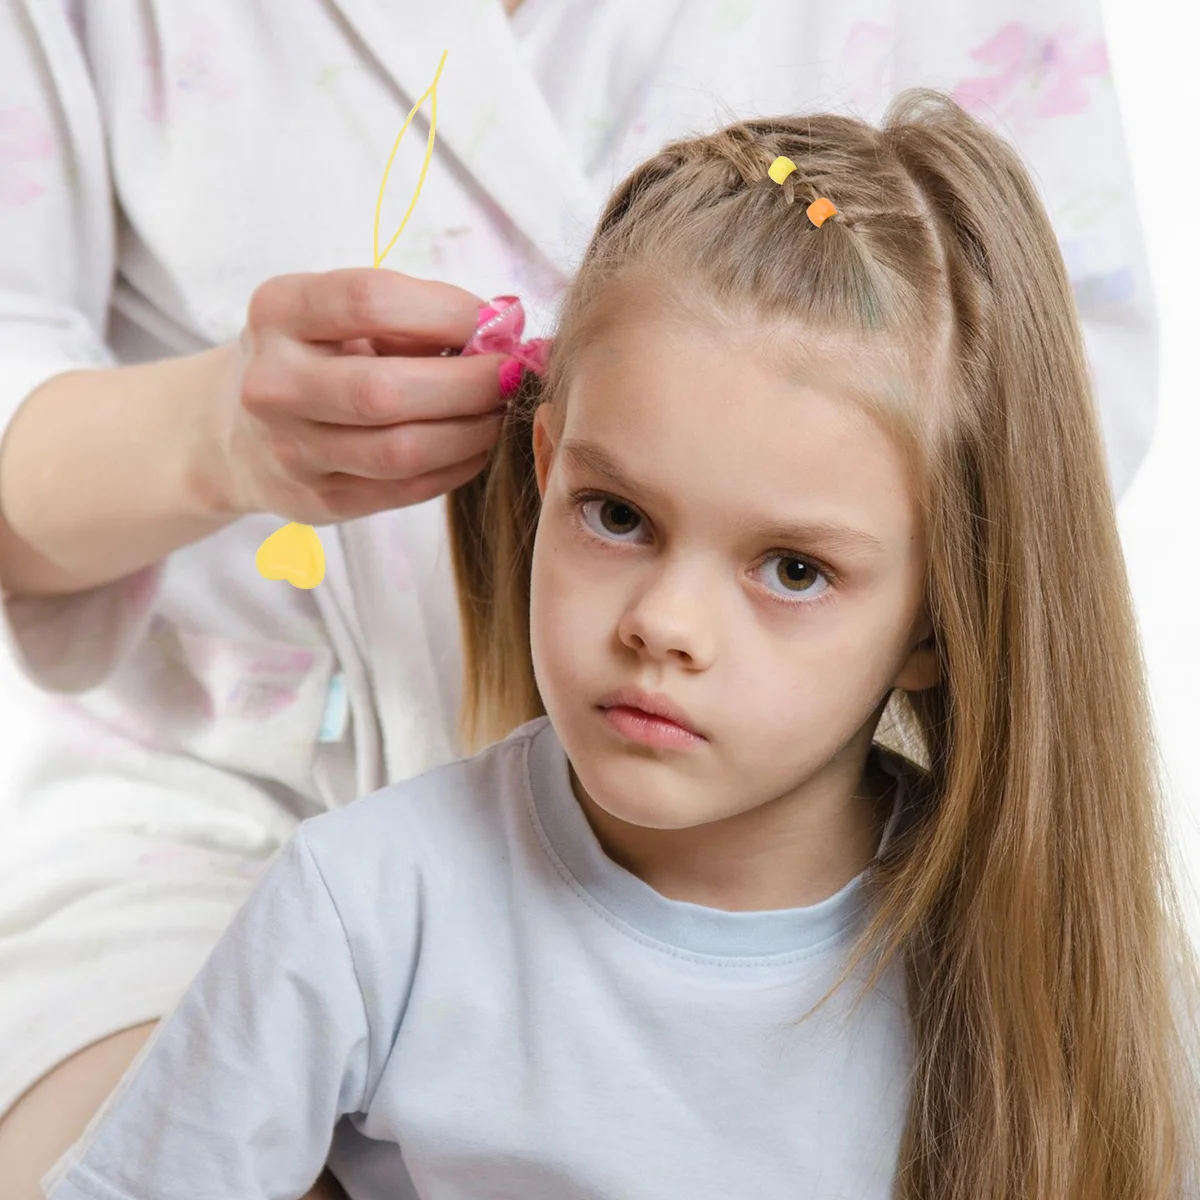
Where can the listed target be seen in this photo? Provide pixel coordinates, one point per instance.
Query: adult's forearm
(104, 471)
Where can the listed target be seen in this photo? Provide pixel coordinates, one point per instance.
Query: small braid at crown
(819, 211)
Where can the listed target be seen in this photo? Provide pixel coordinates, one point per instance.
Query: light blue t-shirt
(448, 990)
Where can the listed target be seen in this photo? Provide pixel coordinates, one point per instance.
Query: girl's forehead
(629, 367)
(874, 370)
(707, 423)
(732, 421)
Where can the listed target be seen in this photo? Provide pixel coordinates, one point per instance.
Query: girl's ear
(920, 669)
(543, 447)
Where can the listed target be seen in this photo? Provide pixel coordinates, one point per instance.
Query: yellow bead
(781, 168)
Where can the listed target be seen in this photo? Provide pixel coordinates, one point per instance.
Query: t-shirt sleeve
(237, 1095)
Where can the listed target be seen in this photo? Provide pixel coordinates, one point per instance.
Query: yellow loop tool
(294, 552)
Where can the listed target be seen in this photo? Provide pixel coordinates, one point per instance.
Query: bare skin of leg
(40, 1127)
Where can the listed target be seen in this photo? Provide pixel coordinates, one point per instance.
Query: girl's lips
(653, 704)
(648, 729)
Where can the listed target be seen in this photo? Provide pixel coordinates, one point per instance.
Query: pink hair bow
(501, 323)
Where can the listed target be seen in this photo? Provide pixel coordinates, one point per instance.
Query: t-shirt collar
(692, 928)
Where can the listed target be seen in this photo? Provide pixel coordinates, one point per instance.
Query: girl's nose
(673, 618)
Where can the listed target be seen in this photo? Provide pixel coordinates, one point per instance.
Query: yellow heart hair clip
(295, 552)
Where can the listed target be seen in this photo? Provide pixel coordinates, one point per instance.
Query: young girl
(815, 444)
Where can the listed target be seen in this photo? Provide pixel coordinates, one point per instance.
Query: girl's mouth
(644, 727)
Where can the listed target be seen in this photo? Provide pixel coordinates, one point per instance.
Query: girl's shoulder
(449, 817)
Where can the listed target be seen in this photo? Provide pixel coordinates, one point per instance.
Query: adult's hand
(332, 404)
(342, 405)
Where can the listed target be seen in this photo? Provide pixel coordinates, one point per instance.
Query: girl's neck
(789, 854)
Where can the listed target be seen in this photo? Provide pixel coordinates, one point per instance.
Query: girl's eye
(614, 517)
(787, 576)
(795, 577)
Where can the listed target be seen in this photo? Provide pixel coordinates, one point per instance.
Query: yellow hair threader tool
(294, 552)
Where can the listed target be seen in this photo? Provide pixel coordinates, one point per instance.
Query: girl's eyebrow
(587, 456)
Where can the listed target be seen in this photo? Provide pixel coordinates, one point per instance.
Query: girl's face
(671, 557)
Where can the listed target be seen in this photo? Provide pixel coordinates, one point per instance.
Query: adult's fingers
(363, 302)
(397, 452)
(348, 497)
(355, 389)
(389, 344)
(379, 347)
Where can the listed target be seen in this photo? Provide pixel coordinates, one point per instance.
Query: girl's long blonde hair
(1029, 890)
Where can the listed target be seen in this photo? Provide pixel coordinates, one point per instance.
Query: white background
(1150, 48)
(1150, 45)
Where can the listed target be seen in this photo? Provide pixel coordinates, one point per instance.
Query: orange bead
(819, 210)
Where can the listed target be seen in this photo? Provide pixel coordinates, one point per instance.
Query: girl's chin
(636, 807)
